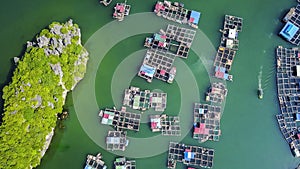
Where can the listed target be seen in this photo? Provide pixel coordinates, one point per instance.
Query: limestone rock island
(50, 67)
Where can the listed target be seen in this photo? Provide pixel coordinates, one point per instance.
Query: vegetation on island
(50, 67)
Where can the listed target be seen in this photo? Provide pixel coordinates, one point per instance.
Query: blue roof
(196, 16)
(289, 30)
(186, 156)
(297, 116)
(221, 69)
(148, 70)
(88, 167)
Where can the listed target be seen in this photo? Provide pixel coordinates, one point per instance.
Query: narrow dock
(189, 155)
(105, 2)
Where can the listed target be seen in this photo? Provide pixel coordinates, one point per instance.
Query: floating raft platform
(157, 64)
(206, 122)
(176, 40)
(224, 58)
(116, 140)
(189, 155)
(176, 12)
(164, 47)
(120, 119)
(291, 31)
(288, 85)
(121, 10)
(95, 162)
(216, 93)
(122, 163)
(143, 100)
(228, 46)
(167, 125)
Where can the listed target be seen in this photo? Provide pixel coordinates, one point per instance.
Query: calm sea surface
(250, 135)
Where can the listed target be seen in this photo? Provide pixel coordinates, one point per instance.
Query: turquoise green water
(250, 136)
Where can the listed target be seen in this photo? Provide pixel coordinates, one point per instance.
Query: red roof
(121, 8)
(298, 136)
(192, 20)
(201, 129)
(197, 130)
(163, 36)
(160, 44)
(219, 74)
(159, 7)
(106, 116)
(162, 72)
(153, 125)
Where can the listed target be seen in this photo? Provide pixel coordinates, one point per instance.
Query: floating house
(228, 46)
(216, 93)
(189, 155)
(116, 140)
(121, 10)
(291, 31)
(143, 100)
(164, 47)
(206, 122)
(288, 85)
(95, 162)
(167, 125)
(176, 12)
(121, 120)
(122, 163)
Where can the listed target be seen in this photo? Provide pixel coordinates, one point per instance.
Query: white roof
(232, 33)
(104, 121)
(229, 43)
(298, 70)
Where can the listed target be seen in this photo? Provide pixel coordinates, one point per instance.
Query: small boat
(260, 93)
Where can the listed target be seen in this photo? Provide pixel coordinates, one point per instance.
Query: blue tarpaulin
(189, 155)
(195, 16)
(289, 30)
(147, 70)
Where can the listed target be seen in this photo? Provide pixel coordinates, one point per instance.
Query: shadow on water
(2, 85)
(10, 73)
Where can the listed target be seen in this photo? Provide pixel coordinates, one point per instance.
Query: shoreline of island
(50, 68)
